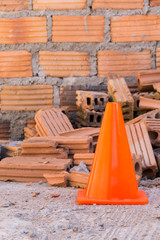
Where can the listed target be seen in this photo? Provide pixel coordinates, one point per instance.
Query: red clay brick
(154, 3)
(23, 30)
(31, 169)
(158, 58)
(59, 4)
(56, 179)
(78, 29)
(117, 4)
(146, 79)
(118, 89)
(26, 98)
(15, 64)
(135, 28)
(123, 62)
(52, 122)
(78, 179)
(146, 103)
(64, 64)
(9, 5)
(140, 144)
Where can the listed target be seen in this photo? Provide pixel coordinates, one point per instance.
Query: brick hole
(137, 167)
(94, 147)
(91, 147)
(153, 135)
(157, 116)
(91, 118)
(88, 101)
(149, 173)
(99, 118)
(102, 100)
(96, 101)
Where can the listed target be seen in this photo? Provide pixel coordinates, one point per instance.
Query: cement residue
(46, 218)
(18, 120)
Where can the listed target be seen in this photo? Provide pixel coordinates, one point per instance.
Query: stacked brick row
(52, 28)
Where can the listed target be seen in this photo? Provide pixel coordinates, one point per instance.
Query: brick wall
(75, 42)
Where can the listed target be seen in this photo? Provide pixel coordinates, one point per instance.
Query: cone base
(82, 199)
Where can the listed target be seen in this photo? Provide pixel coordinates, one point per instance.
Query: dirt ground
(23, 216)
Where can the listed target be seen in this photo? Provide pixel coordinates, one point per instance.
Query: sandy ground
(23, 216)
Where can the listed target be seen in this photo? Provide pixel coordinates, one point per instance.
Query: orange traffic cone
(112, 179)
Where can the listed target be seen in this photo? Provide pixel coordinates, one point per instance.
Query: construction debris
(43, 147)
(78, 179)
(90, 108)
(146, 79)
(52, 122)
(91, 100)
(89, 118)
(87, 158)
(30, 131)
(68, 95)
(52, 146)
(31, 169)
(140, 144)
(56, 179)
(80, 168)
(146, 103)
(120, 93)
(13, 149)
(150, 95)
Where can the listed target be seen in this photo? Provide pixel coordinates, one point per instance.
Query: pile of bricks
(90, 108)
(52, 146)
(59, 53)
(48, 149)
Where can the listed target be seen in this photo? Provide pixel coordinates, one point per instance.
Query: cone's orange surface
(112, 179)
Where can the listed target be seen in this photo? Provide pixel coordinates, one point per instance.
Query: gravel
(46, 218)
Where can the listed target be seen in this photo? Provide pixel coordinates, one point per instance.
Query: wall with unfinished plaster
(74, 42)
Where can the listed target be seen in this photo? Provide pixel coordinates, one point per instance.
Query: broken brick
(146, 103)
(150, 95)
(56, 179)
(119, 91)
(150, 114)
(78, 179)
(140, 144)
(145, 80)
(53, 195)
